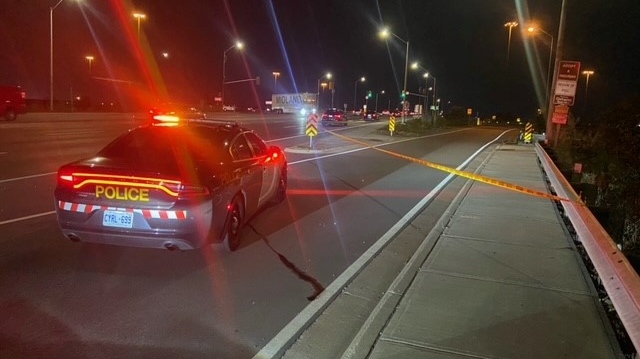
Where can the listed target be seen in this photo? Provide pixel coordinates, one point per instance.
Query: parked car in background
(13, 101)
(334, 117)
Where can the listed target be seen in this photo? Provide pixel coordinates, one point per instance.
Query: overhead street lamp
(328, 77)
(510, 25)
(139, 16)
(275, 79)
(385, 34)
(532, 30)
(355, 87)
(239, 45)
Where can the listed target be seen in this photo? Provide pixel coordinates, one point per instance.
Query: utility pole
(559, 53)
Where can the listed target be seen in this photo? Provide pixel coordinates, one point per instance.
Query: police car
(175, 185)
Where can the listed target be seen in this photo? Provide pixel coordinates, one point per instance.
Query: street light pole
(426, 75)
(238, 45)
(90, 59)
(426, 98)
(51, 9)
(328, 76)
(435, 106)
(385, 33)
(510, 25)
(404, 90)
(588, 73)
(275, 80)
(139, 16)
(355, 88)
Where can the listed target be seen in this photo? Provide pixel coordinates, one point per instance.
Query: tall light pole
(532, 30)
(587, 73)
(426, 75)
(426, 97)
(355, 87)
(51, 9)
(239, 45)
(385, 34)
(378, 93)
(275, 79)
(510, 25)
(328, 77)
(139, 16)
(89, 58)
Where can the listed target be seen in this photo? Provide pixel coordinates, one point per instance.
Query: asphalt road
(73, 300)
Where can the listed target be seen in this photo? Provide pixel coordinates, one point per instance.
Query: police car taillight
(65, 178)
(274, 154)
(187, 190)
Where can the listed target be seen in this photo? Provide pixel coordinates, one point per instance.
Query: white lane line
(26, 217)
(27, 177)
(290, 333)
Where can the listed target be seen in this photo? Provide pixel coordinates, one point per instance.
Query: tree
(610, 149)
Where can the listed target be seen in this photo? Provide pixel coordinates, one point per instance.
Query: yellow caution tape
(465, 174)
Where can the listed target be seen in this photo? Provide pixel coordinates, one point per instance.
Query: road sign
(566, 84)
(528, 132)
(392, 124)
(563, 100)
(566, 88)
(560, 115)
(569, 70)
(312, 125)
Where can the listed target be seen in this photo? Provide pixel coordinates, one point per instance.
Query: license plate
(117, 219)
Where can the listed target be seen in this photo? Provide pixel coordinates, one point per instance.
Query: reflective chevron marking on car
(146, 213)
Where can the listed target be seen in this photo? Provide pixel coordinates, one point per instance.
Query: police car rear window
(165, 149)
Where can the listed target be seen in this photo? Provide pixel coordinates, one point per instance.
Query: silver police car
(173, 185)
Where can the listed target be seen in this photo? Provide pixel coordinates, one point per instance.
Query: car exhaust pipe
(73, 238)
(170, 246)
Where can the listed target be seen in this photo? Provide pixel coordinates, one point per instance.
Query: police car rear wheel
(234, 225)
(281, 192)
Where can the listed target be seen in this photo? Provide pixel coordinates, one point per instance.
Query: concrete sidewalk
(498, 277)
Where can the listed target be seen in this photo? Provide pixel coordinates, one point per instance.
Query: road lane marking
(291, 332)
(27, 217)
(27, 177)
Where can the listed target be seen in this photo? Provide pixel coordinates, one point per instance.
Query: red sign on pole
(569, 70)
(560, 115)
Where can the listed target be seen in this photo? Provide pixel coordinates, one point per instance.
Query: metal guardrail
(617, 276)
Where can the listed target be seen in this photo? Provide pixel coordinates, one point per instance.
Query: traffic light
(403, 95)
(369, 94)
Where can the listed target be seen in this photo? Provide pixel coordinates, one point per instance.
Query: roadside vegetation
(601, 158)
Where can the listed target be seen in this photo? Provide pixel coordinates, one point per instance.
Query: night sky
(463, 43)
